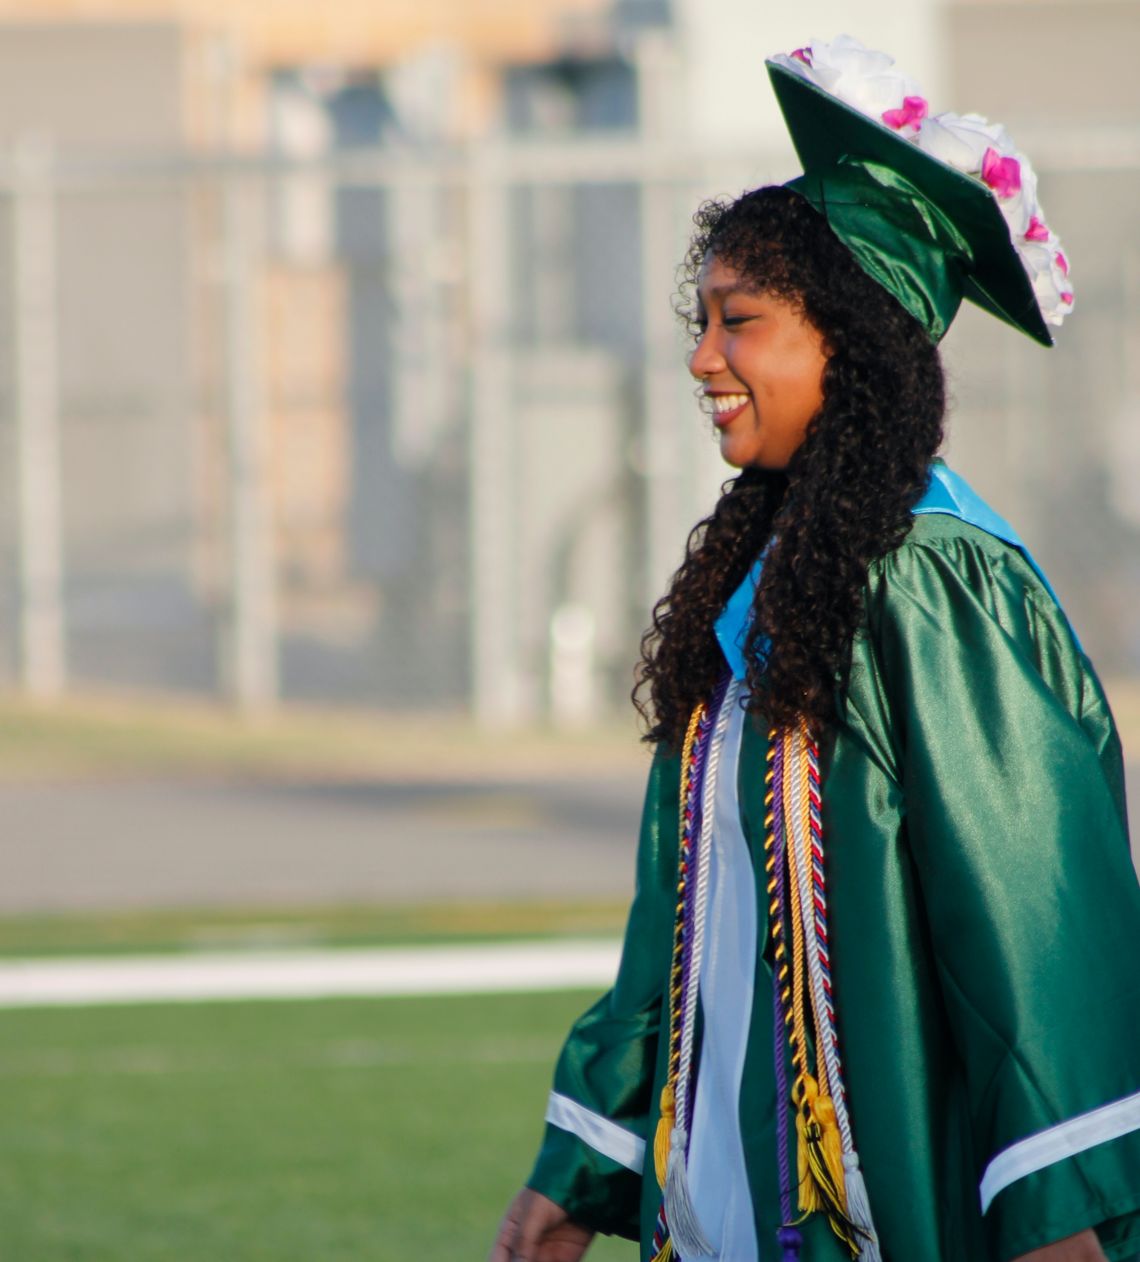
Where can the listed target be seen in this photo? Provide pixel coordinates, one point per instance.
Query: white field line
(442, 970)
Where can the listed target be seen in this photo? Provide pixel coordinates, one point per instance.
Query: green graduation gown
(985, 933)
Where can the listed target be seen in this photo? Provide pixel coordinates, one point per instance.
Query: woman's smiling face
(761, 365)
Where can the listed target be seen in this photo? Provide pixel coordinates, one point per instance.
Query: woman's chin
(735, 453)
(741, 455)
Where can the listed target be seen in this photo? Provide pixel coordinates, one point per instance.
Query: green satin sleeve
(608, 1062)
(1003, 745)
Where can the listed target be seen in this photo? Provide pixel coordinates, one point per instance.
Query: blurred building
(366, 456)
(1055, 438)
(367, 379)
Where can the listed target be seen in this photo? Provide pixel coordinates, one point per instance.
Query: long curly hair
(845, 498)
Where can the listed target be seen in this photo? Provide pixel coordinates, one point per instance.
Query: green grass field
(362, 1130)
(176, 930)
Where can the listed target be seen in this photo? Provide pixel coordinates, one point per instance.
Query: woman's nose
(706, 357)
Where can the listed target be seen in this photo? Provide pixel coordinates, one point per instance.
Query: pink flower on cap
(914, 110)
(1003, 175)
(867, 81)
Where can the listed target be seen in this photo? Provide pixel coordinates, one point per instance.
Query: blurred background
(345, 443)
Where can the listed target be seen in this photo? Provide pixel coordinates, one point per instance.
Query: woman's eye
(734, 322)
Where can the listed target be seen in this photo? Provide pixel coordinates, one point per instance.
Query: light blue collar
(736, 618)
(950, 493)
(947, 493)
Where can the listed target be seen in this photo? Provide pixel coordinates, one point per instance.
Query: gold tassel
(819, 1161)
(664, 1132)
(831, 1145)
(666, 1254)
(809, 1193)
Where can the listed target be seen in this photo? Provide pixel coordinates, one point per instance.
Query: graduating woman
(880, 990)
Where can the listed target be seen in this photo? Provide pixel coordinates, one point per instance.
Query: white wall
(724, 43)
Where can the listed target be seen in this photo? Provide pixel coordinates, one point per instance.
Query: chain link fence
(412, 427)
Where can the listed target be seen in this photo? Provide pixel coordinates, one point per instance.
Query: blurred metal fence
(413, 428)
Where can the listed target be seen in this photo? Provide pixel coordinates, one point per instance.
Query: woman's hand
(1083, 1247)
(535, 1229)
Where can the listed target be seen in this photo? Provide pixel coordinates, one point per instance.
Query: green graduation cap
(927, 232)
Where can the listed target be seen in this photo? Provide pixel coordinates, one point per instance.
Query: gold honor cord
(828, 1177)
(676, 972)
(819, 1151)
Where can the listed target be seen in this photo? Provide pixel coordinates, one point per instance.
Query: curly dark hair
(845, 498)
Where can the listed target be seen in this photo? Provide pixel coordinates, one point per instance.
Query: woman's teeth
(727, 402)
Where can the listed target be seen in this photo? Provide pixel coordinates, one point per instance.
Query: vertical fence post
(1123, 422)
(252, 647)
(665, 509)
(663, 455)
(496, 686)
(43, 667)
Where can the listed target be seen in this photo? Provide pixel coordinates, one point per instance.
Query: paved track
(96, 845)
(92, 845)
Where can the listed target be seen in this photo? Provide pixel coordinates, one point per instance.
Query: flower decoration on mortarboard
(928, 151)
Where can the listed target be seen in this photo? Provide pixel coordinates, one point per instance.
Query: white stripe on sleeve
(604, 1136)
(1066, 1139)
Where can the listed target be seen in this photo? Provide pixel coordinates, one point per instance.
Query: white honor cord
(700, 901)
(802, 866)
(858, 1206)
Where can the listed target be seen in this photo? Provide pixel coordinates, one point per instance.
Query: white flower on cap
(857, 75)
(962, 139)
(867, 81)
(1049, 270)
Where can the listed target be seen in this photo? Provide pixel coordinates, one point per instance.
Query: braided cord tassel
(677, 1225)
(858, 1205)
(662, 1245)
(788, 1235)
(690, 757)
(695, 736)
(820, 1143)
(798, 1025)
(828, 1174)
(817, 1190)
(687, 1234)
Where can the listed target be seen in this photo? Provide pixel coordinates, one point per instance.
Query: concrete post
(43, 667)
(252, 641)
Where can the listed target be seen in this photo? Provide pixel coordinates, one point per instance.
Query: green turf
(196, 929)
(368, 1131)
